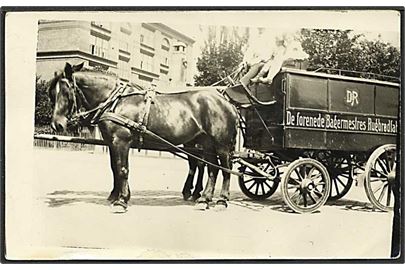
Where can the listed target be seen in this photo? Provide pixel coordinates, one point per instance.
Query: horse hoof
(202, 206)
(112, 198)
(119, 207)
(221, 205)
(186, 197)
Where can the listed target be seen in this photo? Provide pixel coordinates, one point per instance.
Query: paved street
(73, 218)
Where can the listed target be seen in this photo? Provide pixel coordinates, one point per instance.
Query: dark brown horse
(197, 117)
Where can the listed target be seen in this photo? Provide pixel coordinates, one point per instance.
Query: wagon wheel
(380, 177)
(256, 186)
(340, 170)
(341, 174)
(305, 185)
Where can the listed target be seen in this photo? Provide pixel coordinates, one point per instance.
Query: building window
(146, 62)
(126, 28)
(104, 25)
(124, 46)
(180, 48)
(165, 44)
(124, 69)
(147, 37)
(99, 46)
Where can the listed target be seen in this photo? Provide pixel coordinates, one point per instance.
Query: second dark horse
(197, 117)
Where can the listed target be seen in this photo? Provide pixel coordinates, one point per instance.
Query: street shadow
(141, 197)
(275, 202)
(174, 198)
(353, 205)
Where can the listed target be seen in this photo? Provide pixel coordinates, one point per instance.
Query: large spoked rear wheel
(341, 174)
(380, 177)
(256, 186)
(305, 185)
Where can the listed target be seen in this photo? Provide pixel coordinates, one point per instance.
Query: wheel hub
(307, 184)
(391, 176)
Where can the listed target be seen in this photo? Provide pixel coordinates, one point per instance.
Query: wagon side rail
(358, 74)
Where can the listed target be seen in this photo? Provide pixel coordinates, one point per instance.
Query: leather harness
(106, 110)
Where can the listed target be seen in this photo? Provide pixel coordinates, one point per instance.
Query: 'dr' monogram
(352, 97)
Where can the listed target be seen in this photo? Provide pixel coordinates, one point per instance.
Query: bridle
(76, 98)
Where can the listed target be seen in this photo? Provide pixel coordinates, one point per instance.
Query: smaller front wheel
(305, 185)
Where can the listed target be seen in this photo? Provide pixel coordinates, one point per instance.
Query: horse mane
(97, 72)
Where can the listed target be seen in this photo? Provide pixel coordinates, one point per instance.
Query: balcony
(100, 30)
(164, 69)
(124, 55)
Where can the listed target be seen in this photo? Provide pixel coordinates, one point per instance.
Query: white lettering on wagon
(341, 122)
(352, 97)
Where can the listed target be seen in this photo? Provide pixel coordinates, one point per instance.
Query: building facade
(143, 53)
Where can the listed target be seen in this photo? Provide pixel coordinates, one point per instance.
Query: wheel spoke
(388, 161)
(257, 189)
(262, 185)
(247, 181)
(379, 172)
(311, 197)
(382, 165)
(267, 184)
(305, 200)
(379, 188)
(382, 193)
(295, 196)
(389, 195)
(375, 179)
(294, 180)
(293, 186)
(317, 193)
(336, 187)
(341, 182)
(314, 177)
(298, 174)
(249, 188)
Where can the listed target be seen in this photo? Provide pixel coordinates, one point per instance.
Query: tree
(341, 49)
(43, 107)
(217, 61)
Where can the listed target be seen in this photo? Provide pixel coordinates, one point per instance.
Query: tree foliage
(43, 107)
(341, 49)
(217, 61)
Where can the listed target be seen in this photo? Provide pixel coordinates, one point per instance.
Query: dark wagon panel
(321, 111)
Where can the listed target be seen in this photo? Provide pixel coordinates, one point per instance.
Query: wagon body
(320, 111)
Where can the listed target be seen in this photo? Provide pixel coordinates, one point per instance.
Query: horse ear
(68, 70)
(78, 67)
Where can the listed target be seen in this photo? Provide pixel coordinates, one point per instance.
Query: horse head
(63, 97)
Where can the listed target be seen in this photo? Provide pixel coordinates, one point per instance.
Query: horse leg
(120, 148)
(113, 162)
(188, 185)
(224, 196)
(208, 193)
(199, 184)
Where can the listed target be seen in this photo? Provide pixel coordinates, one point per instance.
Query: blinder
(74, 105)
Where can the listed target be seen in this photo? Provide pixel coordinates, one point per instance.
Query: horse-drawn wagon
(310, 131)
(313, 132)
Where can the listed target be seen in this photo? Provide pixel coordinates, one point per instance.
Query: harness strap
(113, 98)
(135, 126)
(123, 121)
(144, 117)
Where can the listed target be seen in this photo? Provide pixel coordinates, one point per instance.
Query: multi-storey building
(144, 53)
